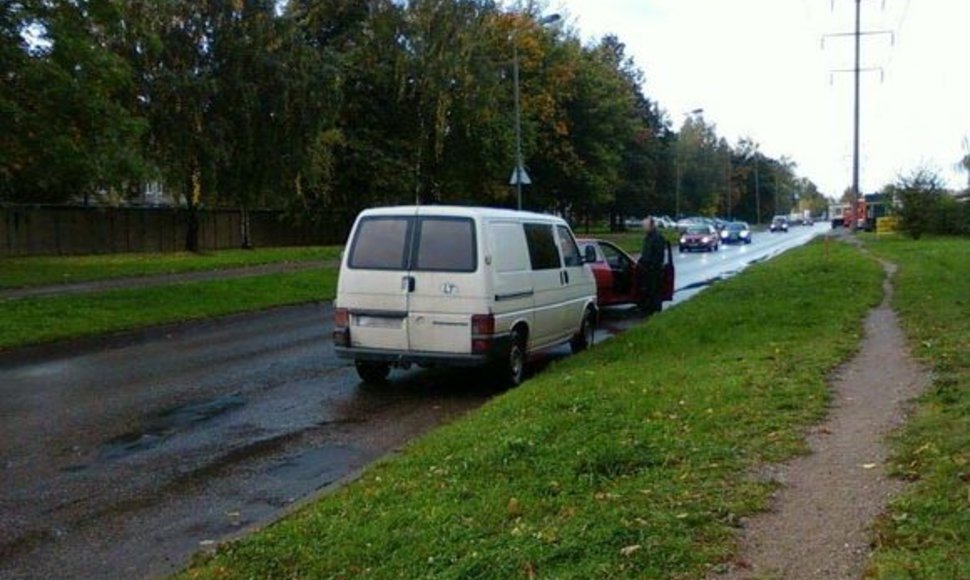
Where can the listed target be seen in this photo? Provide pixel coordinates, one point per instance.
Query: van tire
(373, 372)
(584, 338)
(512, 369)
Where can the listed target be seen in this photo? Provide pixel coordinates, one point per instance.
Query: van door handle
(407, 284)
(564, 277)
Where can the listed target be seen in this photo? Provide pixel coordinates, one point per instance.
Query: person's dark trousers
(651, 296)
(649, 281)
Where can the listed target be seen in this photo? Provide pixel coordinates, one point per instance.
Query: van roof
(458, 210)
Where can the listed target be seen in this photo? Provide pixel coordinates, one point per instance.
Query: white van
(459, 286)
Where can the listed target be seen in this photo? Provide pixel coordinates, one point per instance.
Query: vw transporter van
(459, 286)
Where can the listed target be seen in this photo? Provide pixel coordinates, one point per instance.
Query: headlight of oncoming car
(683, 240)
(705, 240)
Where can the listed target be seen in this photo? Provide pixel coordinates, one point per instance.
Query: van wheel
(372, 372)
(513, 368)
(584, 338)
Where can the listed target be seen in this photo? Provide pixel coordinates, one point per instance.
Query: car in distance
(459, 286)
(701, 237)
(616, 273)
(736, 233)
(779, 223)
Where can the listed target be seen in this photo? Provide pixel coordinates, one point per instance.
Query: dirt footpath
(819, 525)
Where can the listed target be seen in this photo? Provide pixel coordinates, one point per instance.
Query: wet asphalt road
(121, 457)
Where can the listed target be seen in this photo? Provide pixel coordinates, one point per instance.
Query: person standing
(650, 268)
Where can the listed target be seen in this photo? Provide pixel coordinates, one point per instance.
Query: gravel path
(819, 525)
(162, 279)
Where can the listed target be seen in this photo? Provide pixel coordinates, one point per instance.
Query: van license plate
(379, 322)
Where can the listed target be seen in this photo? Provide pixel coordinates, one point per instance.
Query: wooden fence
(52, 230)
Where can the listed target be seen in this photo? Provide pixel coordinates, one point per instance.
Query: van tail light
(341, 327)
(483, 329)
(341, 317)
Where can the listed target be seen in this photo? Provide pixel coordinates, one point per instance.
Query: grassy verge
(36, 320)
(926, 533)
(632, 460)
(46, 270)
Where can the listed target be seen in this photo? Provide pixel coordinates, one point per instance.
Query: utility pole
(857, 71)
(855, 132)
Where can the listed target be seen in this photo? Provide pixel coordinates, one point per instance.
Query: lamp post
(519, 176)
(677, 165)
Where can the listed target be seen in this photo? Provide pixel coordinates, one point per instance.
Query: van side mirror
(589, 254)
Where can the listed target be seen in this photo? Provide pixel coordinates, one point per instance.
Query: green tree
(67, 133)
(919, 193)
(701, 166)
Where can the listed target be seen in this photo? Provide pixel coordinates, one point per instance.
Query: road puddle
(164, 425)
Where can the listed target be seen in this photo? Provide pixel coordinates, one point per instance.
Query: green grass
(37, 320)
(926, 533)
(17, 272)
(633, 460)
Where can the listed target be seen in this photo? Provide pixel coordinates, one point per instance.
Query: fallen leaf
(514, 508)
(630, 550)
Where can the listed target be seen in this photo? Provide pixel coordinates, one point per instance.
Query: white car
(459, 286)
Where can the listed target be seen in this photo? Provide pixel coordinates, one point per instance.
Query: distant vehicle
(779, 223)
(616, 273)
(459, 286)
(687, 222)
(736, 233)
(663, 222)
(700, 237)
(837, 214)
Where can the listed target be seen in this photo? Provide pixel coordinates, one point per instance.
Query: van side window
(542, 247)
(381, 243)
(446, 245)
(567, 245)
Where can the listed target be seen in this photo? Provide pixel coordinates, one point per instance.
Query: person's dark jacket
(652, 252)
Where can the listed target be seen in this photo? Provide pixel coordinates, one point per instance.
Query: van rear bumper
(499, 346)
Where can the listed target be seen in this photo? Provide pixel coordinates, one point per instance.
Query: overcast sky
(758, 69)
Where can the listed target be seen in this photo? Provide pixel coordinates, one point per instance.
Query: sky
(761, 69)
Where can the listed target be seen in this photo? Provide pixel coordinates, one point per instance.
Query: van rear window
(438, 244)
(446, 245)
(381, 243)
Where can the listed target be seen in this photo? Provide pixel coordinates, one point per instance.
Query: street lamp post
(519, 176)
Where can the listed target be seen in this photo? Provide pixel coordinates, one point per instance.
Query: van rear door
(448, 284)
(378, 285)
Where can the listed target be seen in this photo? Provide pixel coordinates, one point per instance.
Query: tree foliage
(924, 206)
(325, 107)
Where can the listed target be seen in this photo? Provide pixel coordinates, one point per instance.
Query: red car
(700, 237)
(616, 273)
